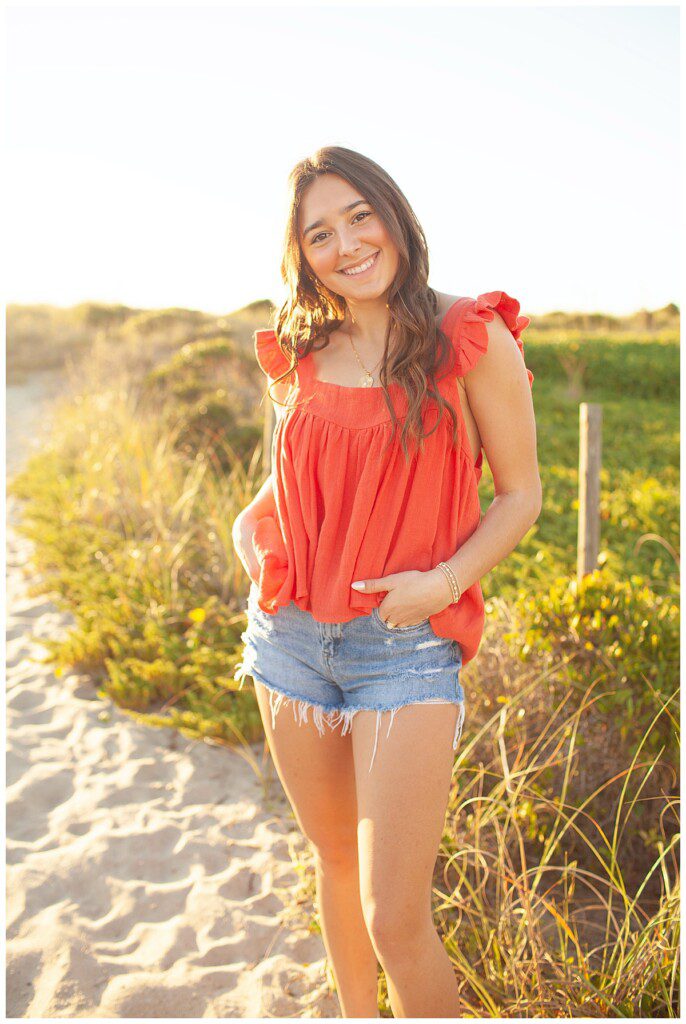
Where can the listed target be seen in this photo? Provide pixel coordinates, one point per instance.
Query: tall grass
(546, 914)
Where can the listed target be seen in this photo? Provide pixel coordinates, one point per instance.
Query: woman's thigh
(401, 808)
(323, 688)
(317, 774)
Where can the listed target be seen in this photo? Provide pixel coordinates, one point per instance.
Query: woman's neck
(368, 321)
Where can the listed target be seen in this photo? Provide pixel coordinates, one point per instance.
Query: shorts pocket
(416, 628)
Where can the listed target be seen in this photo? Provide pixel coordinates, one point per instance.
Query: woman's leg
(318, 777)
(401, 810)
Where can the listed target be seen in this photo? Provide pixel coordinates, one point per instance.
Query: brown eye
(362, 213)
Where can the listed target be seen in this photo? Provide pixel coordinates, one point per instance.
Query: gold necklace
(367, 381)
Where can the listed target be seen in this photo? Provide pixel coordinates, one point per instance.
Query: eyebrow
(318, 223)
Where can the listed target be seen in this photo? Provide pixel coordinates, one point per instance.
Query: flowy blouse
(349, 508)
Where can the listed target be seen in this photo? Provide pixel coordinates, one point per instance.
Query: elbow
(527, 500)
(530, 503)
(536, 502)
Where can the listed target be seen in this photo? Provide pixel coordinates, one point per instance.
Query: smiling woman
(367, 604)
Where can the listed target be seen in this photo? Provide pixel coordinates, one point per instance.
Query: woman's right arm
(263, 504)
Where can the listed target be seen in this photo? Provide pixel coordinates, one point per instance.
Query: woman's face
(339, 229)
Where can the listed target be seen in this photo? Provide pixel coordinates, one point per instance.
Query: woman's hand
(411, 596)
(242, 534)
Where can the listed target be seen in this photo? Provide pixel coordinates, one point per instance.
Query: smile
(363, 268)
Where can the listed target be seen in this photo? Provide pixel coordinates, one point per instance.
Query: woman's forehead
(327, 196)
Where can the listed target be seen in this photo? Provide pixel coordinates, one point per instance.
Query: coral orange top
(348, 510)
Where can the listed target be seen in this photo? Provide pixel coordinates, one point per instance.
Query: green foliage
(41, 337)
(620, 632)
(606, 368)
(644, 324)
(134, 539)
(151, 321)
(639, 497)
(207, 353)
(183, 391)
(99, 314)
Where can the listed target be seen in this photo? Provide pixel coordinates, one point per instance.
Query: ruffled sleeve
(270, 357)
(471, 333)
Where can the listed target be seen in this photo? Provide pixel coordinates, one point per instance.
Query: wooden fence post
(590, 460)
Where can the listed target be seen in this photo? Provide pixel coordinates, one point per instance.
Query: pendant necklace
(367, 381)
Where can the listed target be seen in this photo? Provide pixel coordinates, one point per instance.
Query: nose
(348, 244)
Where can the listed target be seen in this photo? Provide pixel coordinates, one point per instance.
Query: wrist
(441, 585)
(451, 580)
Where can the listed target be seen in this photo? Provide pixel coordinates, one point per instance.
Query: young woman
(365, 547)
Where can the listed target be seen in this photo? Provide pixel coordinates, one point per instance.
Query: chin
(369, 292)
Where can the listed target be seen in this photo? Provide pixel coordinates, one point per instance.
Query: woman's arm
(499, 396)
(263, 504)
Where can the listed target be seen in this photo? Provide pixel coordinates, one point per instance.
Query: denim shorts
(339, 668)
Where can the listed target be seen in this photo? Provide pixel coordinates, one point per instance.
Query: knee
(334, 852)
(395, 927)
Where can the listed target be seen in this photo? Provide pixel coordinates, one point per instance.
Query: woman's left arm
(500, 399)
(499, 395)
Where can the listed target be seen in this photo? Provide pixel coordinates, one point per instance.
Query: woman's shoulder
(469, 325)
(447, 304)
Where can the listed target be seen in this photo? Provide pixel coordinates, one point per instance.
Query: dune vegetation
(557, 883)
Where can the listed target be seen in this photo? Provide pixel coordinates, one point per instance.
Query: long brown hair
(312, 312)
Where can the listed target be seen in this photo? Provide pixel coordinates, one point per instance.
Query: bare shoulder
(501, 343)
(445, 301)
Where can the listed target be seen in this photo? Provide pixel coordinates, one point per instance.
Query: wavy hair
(311, 312)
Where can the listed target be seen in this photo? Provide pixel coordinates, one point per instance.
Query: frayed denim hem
(430, 700)
(333, 715)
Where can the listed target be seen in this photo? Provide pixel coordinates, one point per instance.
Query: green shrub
(603, 367)
(621, 632)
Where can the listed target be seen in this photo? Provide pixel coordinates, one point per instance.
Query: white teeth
(361, 268)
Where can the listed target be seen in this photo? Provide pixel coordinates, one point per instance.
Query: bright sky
(149, 148)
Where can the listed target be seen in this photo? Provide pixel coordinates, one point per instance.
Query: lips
(373, 256)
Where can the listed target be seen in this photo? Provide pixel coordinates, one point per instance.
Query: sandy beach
(146, 872)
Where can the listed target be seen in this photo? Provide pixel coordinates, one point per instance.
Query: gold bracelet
(452, 580)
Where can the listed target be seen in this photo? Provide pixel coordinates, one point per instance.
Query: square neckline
(361, 387)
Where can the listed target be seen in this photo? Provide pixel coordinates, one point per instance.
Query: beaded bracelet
(452, 580)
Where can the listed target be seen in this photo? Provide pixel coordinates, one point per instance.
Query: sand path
(144, 868)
